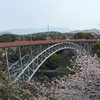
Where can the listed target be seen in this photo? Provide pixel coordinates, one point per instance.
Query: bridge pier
(7, 62)
(20, 57)
(87, 46)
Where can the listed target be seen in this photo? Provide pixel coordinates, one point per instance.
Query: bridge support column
(7, 62)
(20, 57)
(31, 56)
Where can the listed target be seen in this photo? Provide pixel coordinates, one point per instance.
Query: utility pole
(47, 31)
(31, 37)
(56, 35)
(19, 37)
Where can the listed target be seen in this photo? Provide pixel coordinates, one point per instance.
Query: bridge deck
(20, 43)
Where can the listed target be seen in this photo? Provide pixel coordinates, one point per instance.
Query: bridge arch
(30, 69)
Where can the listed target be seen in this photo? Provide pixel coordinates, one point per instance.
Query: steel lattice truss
(18, 65)
(20, 73)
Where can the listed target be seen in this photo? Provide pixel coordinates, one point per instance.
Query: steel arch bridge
(19, 74)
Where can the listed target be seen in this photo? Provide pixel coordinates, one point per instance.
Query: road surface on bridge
(21, 43)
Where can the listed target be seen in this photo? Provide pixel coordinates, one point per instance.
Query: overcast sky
(74, 14)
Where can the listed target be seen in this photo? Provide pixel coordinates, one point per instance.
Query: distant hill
(34, 30)
(87, 30)
(37, 30)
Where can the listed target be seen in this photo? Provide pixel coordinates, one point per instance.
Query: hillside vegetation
(83, 85)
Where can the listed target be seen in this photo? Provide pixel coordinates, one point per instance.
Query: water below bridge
(50, 74)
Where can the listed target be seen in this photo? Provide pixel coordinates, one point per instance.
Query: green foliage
(6, 92)
(82, 35)
(61, 59)
(25, 50)
(45, 79)
(7, 38)
(34, 37)
(2, 76)
(53, 36)
(60, 52)
(96, 46)
(65, 57)
(73, 71)
(39, 37)
(96, 49)
(54, 61)
(98, 53)
(20, 37)
(31, 87)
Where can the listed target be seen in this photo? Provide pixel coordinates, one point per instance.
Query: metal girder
(25, 67)
(32, 65)
(19, 65)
